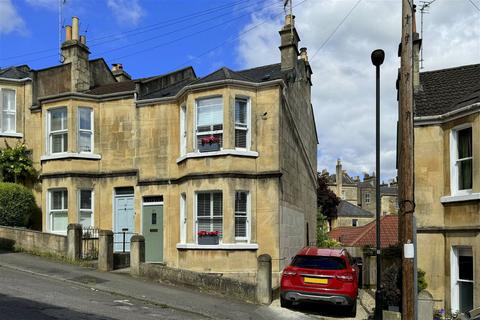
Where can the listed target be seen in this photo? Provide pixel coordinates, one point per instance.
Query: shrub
(16, 205)
(392, 284)
(16, 164)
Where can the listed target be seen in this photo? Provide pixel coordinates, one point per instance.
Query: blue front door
(124, 223)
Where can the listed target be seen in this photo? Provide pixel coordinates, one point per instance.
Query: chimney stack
(75, 52)
(289, 44)
(119, 73)
(339, 177)
(417, 44)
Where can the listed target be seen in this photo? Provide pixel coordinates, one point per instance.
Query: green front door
(153, 232)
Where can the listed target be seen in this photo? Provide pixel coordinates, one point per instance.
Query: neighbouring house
(344, 186)
(175, 155)
(361, 241)
(447, 183)
(350, 215)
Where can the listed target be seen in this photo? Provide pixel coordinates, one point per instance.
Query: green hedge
(16, 205)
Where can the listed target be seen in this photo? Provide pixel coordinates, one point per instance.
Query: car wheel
(284, 303)
(352, 310)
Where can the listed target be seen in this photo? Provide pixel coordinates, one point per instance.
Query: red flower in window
(207, 233)
(210, 140)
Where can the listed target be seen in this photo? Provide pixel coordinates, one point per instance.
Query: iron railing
(121, 241)
(89, 243)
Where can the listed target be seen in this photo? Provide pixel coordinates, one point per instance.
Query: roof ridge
(264, 66)
(476, 65)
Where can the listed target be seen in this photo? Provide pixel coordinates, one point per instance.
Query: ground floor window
(210, 212)
(85, 214)
(58, 210)
(241, 216)
(462, 279)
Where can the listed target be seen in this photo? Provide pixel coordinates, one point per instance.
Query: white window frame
(367, 197)
(183, 130)
(211, 132)
(183, 218)
(10, 112)
(247, 221)
(211, 211)
(50, 133)
(454, 274)
(79, 130)
(80, 210)
(50, 211)
(239, 126)
(454, 161)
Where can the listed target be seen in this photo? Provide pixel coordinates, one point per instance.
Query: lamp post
(377, 59)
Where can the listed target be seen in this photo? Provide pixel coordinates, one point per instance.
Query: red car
(321, 275)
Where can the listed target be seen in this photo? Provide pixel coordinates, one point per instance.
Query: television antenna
(423, 10)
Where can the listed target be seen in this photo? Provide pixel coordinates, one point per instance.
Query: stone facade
(146, 143)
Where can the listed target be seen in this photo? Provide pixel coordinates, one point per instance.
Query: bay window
(241, 216)
(210, 212)
(462, 160)
(85, 214)
(57, 131)
(58, 210)
(241, 123)
(85, 130)
(209, 122)
(8, 111)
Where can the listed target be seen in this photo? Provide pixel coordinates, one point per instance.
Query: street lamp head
(377, 57)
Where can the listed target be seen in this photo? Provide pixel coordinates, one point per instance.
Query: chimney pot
(75, 22)
(289, 20)
(68, 33)
(83, 39)
(117, 66)
(303, 54)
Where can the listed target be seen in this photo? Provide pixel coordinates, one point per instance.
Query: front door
(124, 222)
(153, 231)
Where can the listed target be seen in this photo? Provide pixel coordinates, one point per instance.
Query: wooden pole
(405, 160)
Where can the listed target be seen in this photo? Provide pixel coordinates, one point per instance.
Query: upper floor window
(58, 210)
(57, 131)
(8, 110)
(85, 130)
(210, 211)
(85, 212)
(367, 198)
(242, 131)
(209, 124)
(462, 156)
(183, 130)
(241, 215)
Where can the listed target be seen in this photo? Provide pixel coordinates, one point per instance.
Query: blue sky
(148, 37)
(339, 34)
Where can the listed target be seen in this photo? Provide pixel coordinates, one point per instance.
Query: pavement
(39, 288)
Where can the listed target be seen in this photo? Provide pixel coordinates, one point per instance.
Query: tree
(323, 240)
(327, 200)
(16, 164)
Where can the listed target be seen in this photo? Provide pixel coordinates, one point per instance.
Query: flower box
(209, 144)
(208, 237)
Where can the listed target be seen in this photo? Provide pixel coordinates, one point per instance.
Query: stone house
(447, 183)
(350, 215)
(174, 155)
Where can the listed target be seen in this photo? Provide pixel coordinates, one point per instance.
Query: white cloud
(10, 20)
(343, 92)
(126, 11)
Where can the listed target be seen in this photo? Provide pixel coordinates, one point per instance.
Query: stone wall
(29, 240)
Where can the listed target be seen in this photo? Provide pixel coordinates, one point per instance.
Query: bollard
(105, 250)
(74, 237)
(264, 279)
(137, 254)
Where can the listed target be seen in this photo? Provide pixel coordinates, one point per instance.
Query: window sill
(69, 155)
(460, 198)
(227, 152)
(11, 135)
(222, 246)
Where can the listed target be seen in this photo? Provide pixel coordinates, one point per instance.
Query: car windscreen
(318, 262)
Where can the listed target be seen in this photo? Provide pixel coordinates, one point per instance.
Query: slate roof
(366, 235)
(263, 73)
(169, 91)
(222, 74)
(17, 72)
(346, 209)
(388, 190)
(446, 90)
(113, 88)
(345, 180)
